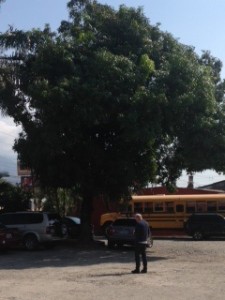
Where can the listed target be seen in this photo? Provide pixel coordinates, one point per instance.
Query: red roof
(179, 191)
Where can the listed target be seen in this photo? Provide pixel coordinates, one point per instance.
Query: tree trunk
(86, 212)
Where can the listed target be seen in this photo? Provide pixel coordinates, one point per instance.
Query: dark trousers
(140, 250)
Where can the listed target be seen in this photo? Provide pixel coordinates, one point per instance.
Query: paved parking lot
(178, 269)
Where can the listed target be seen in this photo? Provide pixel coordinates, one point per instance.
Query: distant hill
(15, 180)
(9, 166)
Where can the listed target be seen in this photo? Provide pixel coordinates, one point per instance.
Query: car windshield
(53, 217)
(74, 219)
(125, 222)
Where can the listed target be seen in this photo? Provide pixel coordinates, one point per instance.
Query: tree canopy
(109, 102)
(12, 198)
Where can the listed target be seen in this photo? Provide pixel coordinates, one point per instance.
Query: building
(216, 186)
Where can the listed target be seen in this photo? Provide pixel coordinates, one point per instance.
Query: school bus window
(221, 205)
(169, 207)
(211, 206)
(159, 207)
(138, 207)
(190, 207)
(201, 206)
(179, 208)
(148, 207)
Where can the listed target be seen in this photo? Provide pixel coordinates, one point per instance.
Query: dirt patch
(178, 269)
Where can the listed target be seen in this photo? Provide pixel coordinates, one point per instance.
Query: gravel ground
(178, 269)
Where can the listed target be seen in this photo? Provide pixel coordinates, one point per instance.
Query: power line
(7, 167)
(1, 131)
(6, 143)
(11, 176)
(6, 162)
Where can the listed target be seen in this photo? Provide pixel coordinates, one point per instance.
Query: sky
(198, 23)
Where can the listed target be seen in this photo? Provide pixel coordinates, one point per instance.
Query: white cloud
(8, 133)
(200, 178)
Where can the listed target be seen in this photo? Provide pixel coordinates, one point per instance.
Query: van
(36, 228)
(204, 225)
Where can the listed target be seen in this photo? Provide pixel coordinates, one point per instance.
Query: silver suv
(35, 227)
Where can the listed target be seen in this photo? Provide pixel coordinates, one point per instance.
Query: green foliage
(147, 64)
(13, 198)
(110, 102)
(63, 201)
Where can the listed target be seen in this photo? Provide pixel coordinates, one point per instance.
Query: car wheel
(30, 242)
(198, 235)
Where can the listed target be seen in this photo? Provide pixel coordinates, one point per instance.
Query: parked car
(122, 231)
(35, 227)
(204, 225)
(71, 226)
(9, 238)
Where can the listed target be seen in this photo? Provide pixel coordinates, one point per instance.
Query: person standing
(141, 236)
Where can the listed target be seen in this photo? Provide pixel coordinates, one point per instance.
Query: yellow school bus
(169, 212)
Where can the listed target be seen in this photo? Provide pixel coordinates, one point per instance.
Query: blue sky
(198, 23)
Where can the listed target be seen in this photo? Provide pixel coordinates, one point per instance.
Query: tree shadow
(67, 255)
